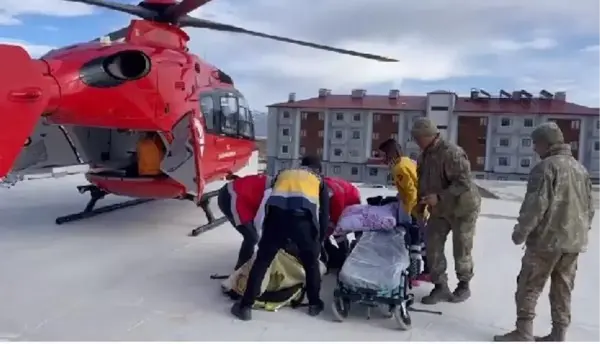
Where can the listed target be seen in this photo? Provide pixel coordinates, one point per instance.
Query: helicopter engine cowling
(115, 69)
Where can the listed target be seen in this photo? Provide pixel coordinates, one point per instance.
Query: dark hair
(311, 161)
(390, 144)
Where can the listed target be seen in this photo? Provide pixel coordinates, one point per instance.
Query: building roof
(463, 104)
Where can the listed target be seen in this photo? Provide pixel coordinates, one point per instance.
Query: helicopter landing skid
(96, 194)
(213, 222)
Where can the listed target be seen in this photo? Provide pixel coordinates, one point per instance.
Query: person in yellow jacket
(296, 211)
(404, 175)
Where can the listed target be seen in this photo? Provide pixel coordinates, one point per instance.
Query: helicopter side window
(230, 113)
(207, 106)
(245, 120)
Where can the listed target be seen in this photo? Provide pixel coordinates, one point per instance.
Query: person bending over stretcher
(404, 174)
(239, 201)
(297, 211)
(342, 194)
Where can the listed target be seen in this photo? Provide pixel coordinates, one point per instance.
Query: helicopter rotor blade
(207, 24)
(115, 35)
(183, 8)
(130, 9)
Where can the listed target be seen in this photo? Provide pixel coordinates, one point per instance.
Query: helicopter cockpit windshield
(227, 112)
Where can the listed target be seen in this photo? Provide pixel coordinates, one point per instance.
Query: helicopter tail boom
(27, 92)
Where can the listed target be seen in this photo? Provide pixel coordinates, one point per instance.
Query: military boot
(462, 292)
(558, 334)
(440, 293)
(523, 333)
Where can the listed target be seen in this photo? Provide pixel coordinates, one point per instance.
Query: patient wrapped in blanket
(366, 217)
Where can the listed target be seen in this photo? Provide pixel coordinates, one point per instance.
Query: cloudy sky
(441, 44)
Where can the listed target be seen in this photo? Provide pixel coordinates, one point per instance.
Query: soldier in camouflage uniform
(553, 222)
(447, 189)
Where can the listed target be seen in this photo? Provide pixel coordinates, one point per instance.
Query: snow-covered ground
(135, 275)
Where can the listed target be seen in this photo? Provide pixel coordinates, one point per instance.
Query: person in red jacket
(239, 201)
(343, 194)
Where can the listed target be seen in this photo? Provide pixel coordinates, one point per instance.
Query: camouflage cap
(423, 126)
(548, 132)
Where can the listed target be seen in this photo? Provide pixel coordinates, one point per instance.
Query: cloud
(511, 41)
(10, 10)
(35, 50)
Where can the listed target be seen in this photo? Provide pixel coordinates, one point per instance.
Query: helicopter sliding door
(48, 147)
(181, 158)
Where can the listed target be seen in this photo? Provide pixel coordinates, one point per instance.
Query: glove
(517, 236)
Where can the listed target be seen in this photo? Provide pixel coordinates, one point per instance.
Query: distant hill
(260, 123)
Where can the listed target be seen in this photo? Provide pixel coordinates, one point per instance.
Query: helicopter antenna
(177, 14)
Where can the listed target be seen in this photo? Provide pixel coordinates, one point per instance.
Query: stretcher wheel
(402, 317)
(340, 308)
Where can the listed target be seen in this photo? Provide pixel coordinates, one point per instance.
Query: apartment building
(345, 130)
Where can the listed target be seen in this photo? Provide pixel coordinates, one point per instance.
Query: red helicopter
(90, 103)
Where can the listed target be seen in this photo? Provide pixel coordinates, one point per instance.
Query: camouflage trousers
(436, 234)
(536, 268)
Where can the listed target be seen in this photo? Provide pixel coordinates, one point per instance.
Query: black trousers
(280, 227)
(247, 230)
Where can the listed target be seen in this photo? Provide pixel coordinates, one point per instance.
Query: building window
(320, 151)
(525, 162)
(337, 170)
(504, 142)
(373, 171)
(528, 122)
(286, 114)
(525, 142)
(303, 133)
(483, 121)
(356, 117)
(354, 171)
(285, 149)
(354, 153)
(395, 137)
(395, 118)
(597, 146)
(503, 161)
(285, 132)
(481, 140)
(321, 116)
(321, 133)
(302, 150)
(304, 115)
(376, 118)
(356, 135)
(480, 160)
(339, 116)
(338, 134)
(439, 108)
(505, 122)
(375, 136)
(337, 152)
(575, 125)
